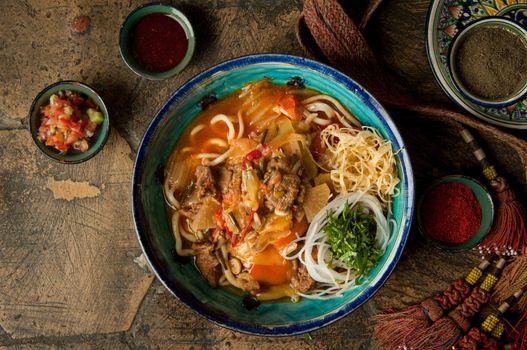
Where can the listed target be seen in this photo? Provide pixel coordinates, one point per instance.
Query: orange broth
(268, 268)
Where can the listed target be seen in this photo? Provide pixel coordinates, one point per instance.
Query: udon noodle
(256, 171)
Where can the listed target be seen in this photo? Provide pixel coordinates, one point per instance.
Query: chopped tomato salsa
(69, 121)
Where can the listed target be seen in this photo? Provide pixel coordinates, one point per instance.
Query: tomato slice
(299, 229)
(90, 104)
(84, 145)
(61, 146)
(90, 126)
(317, 146)
(57, 138)
(46, 110)
(72, 138)
(288, 104)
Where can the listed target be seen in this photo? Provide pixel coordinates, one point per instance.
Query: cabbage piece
(275, 227)
(324, 178)
(310, 166)
(204, 218)
(240, 147)
(180, 171)
(243, 251)
(250, 187)
(315, 200)
(286, 133)
(266, 121)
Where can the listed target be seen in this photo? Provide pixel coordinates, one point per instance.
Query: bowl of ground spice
(488, 62)
(156, 41)
(455, 212)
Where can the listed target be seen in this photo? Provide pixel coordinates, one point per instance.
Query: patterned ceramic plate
(446, 18)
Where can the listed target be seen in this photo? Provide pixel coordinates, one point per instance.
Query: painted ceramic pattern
(445, 19)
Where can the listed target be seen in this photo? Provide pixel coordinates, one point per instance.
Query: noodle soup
(279, 191)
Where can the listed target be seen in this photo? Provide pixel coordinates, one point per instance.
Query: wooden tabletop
(69, 268)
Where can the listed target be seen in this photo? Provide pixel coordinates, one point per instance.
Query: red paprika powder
(451, 213)
(159, 42)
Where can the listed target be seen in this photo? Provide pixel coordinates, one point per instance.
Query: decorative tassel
(513, 277)
(477, 339)
(394, 327)
(446, 331)
(487, 336)
(508, 234)
(517, 336)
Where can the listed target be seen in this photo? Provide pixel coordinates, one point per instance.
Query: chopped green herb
(308, 336)
(188, 190)
(264, 134)
(207, 231)
(268, 177)
(263, 165)
(351, 237)
(233, 221)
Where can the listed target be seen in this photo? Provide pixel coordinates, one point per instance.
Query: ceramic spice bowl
(488, 62)
(440, 212)
(445, 21)
(95, 142)
(156, 41)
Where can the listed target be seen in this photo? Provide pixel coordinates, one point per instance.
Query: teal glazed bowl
(97, 141)
(125, 35)
(152, 222)
(487, 211)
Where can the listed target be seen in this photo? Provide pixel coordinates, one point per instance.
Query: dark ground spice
(451, 213)
(492, 63)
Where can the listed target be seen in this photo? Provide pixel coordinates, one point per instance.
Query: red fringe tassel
(442, 335)
(508, 232)
(517, 336)
(394, 327)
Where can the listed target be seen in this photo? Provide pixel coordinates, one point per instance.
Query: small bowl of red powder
(455, 212)
(156, 41)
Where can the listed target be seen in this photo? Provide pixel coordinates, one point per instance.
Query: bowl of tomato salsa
(69, 122)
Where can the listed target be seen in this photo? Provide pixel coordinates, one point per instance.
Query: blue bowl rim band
(374, 105)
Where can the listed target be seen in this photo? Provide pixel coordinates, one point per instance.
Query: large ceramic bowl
(152, 222)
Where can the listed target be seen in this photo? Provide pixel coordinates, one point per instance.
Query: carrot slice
(288, 104)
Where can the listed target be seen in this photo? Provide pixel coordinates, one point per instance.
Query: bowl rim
(43, 148)
(183, 21)
(497, 22)
(455, 178)
(303, 63)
